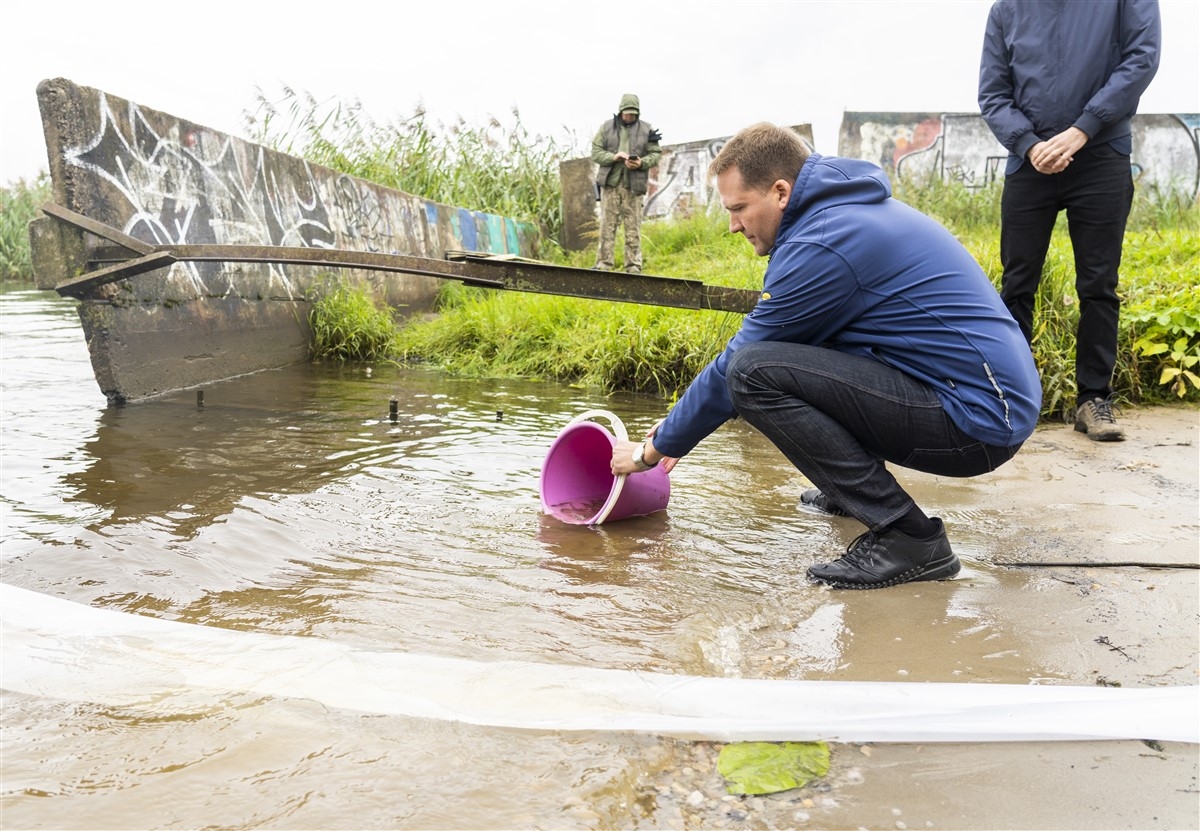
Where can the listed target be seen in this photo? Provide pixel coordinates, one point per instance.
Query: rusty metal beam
(543, 278)
(98, 228)
(80, 286)
(497, 272)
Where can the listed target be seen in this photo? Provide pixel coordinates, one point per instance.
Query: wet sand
(1080, 501)
(1081, 507)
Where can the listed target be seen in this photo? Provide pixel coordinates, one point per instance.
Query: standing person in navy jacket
(877, 338)
(1059, 83)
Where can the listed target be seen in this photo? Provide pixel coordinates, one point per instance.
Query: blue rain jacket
(857, 271)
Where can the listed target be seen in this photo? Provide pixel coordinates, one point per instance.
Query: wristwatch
(638, 461)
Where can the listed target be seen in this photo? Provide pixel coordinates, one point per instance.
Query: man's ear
(782, 191)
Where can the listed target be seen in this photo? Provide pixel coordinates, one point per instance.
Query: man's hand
(622, 457)
(1053, 155)
(634, 163)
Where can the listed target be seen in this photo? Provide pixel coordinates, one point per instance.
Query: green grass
(611, 346)
(20, 203)
(347, 324)
(595, 343)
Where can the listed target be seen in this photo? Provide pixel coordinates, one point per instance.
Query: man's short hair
(763, 153)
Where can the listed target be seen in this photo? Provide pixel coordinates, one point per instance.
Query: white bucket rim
(614, 493)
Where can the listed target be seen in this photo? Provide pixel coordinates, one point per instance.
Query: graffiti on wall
(185, 184)
(680, 183)
(960, 147)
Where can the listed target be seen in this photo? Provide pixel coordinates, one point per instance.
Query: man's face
(629, 116)
(754, 214)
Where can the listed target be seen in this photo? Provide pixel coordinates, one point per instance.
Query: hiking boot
(633, 269)
(1095, 418)
(876, 561)
(814, 500)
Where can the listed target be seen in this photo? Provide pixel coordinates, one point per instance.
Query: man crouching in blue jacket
(877, 339)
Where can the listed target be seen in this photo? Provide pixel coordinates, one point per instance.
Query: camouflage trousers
(619, 206)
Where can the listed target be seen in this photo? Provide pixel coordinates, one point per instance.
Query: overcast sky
(702, 69)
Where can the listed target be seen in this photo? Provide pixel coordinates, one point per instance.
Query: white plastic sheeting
(59, 649)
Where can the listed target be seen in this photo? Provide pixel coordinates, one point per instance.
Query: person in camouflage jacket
(625, 148)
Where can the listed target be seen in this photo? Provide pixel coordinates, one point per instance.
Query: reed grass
(20, 204)
(497, 167)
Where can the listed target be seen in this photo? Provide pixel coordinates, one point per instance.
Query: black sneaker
(814, 500)
(1096, 418)
(876, 561)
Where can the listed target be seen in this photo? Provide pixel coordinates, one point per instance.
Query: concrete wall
(953, 146)
(165, 180)
(960, 147)
(678, 186)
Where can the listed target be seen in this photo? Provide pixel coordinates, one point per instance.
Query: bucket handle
(618, 425)
(619, 483)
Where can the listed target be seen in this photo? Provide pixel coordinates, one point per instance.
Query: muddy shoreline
(1077, 514)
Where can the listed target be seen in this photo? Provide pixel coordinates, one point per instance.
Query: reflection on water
(289, 502)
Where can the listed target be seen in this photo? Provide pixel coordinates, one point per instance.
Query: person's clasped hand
(1054, 154)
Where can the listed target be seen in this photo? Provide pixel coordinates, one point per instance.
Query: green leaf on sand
(766, 767)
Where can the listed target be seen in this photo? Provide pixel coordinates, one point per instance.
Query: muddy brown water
(290, 503)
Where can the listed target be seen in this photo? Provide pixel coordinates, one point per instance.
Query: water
(289, 503)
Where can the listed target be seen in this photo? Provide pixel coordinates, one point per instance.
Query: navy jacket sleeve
(1140, 45)
(997, 89)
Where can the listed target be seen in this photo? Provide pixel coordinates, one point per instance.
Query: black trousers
(1096, 191)
(839, 417)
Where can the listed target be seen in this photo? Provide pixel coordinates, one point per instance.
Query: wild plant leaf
(767, 767)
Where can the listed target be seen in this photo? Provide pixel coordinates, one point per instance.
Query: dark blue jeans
(839, 417)
(1096, 191)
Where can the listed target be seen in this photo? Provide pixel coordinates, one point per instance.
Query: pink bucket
(577, 482)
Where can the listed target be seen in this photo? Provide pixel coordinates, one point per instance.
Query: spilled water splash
(59, 649)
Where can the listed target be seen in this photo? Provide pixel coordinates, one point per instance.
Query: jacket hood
(629, 101)
(827, 181)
